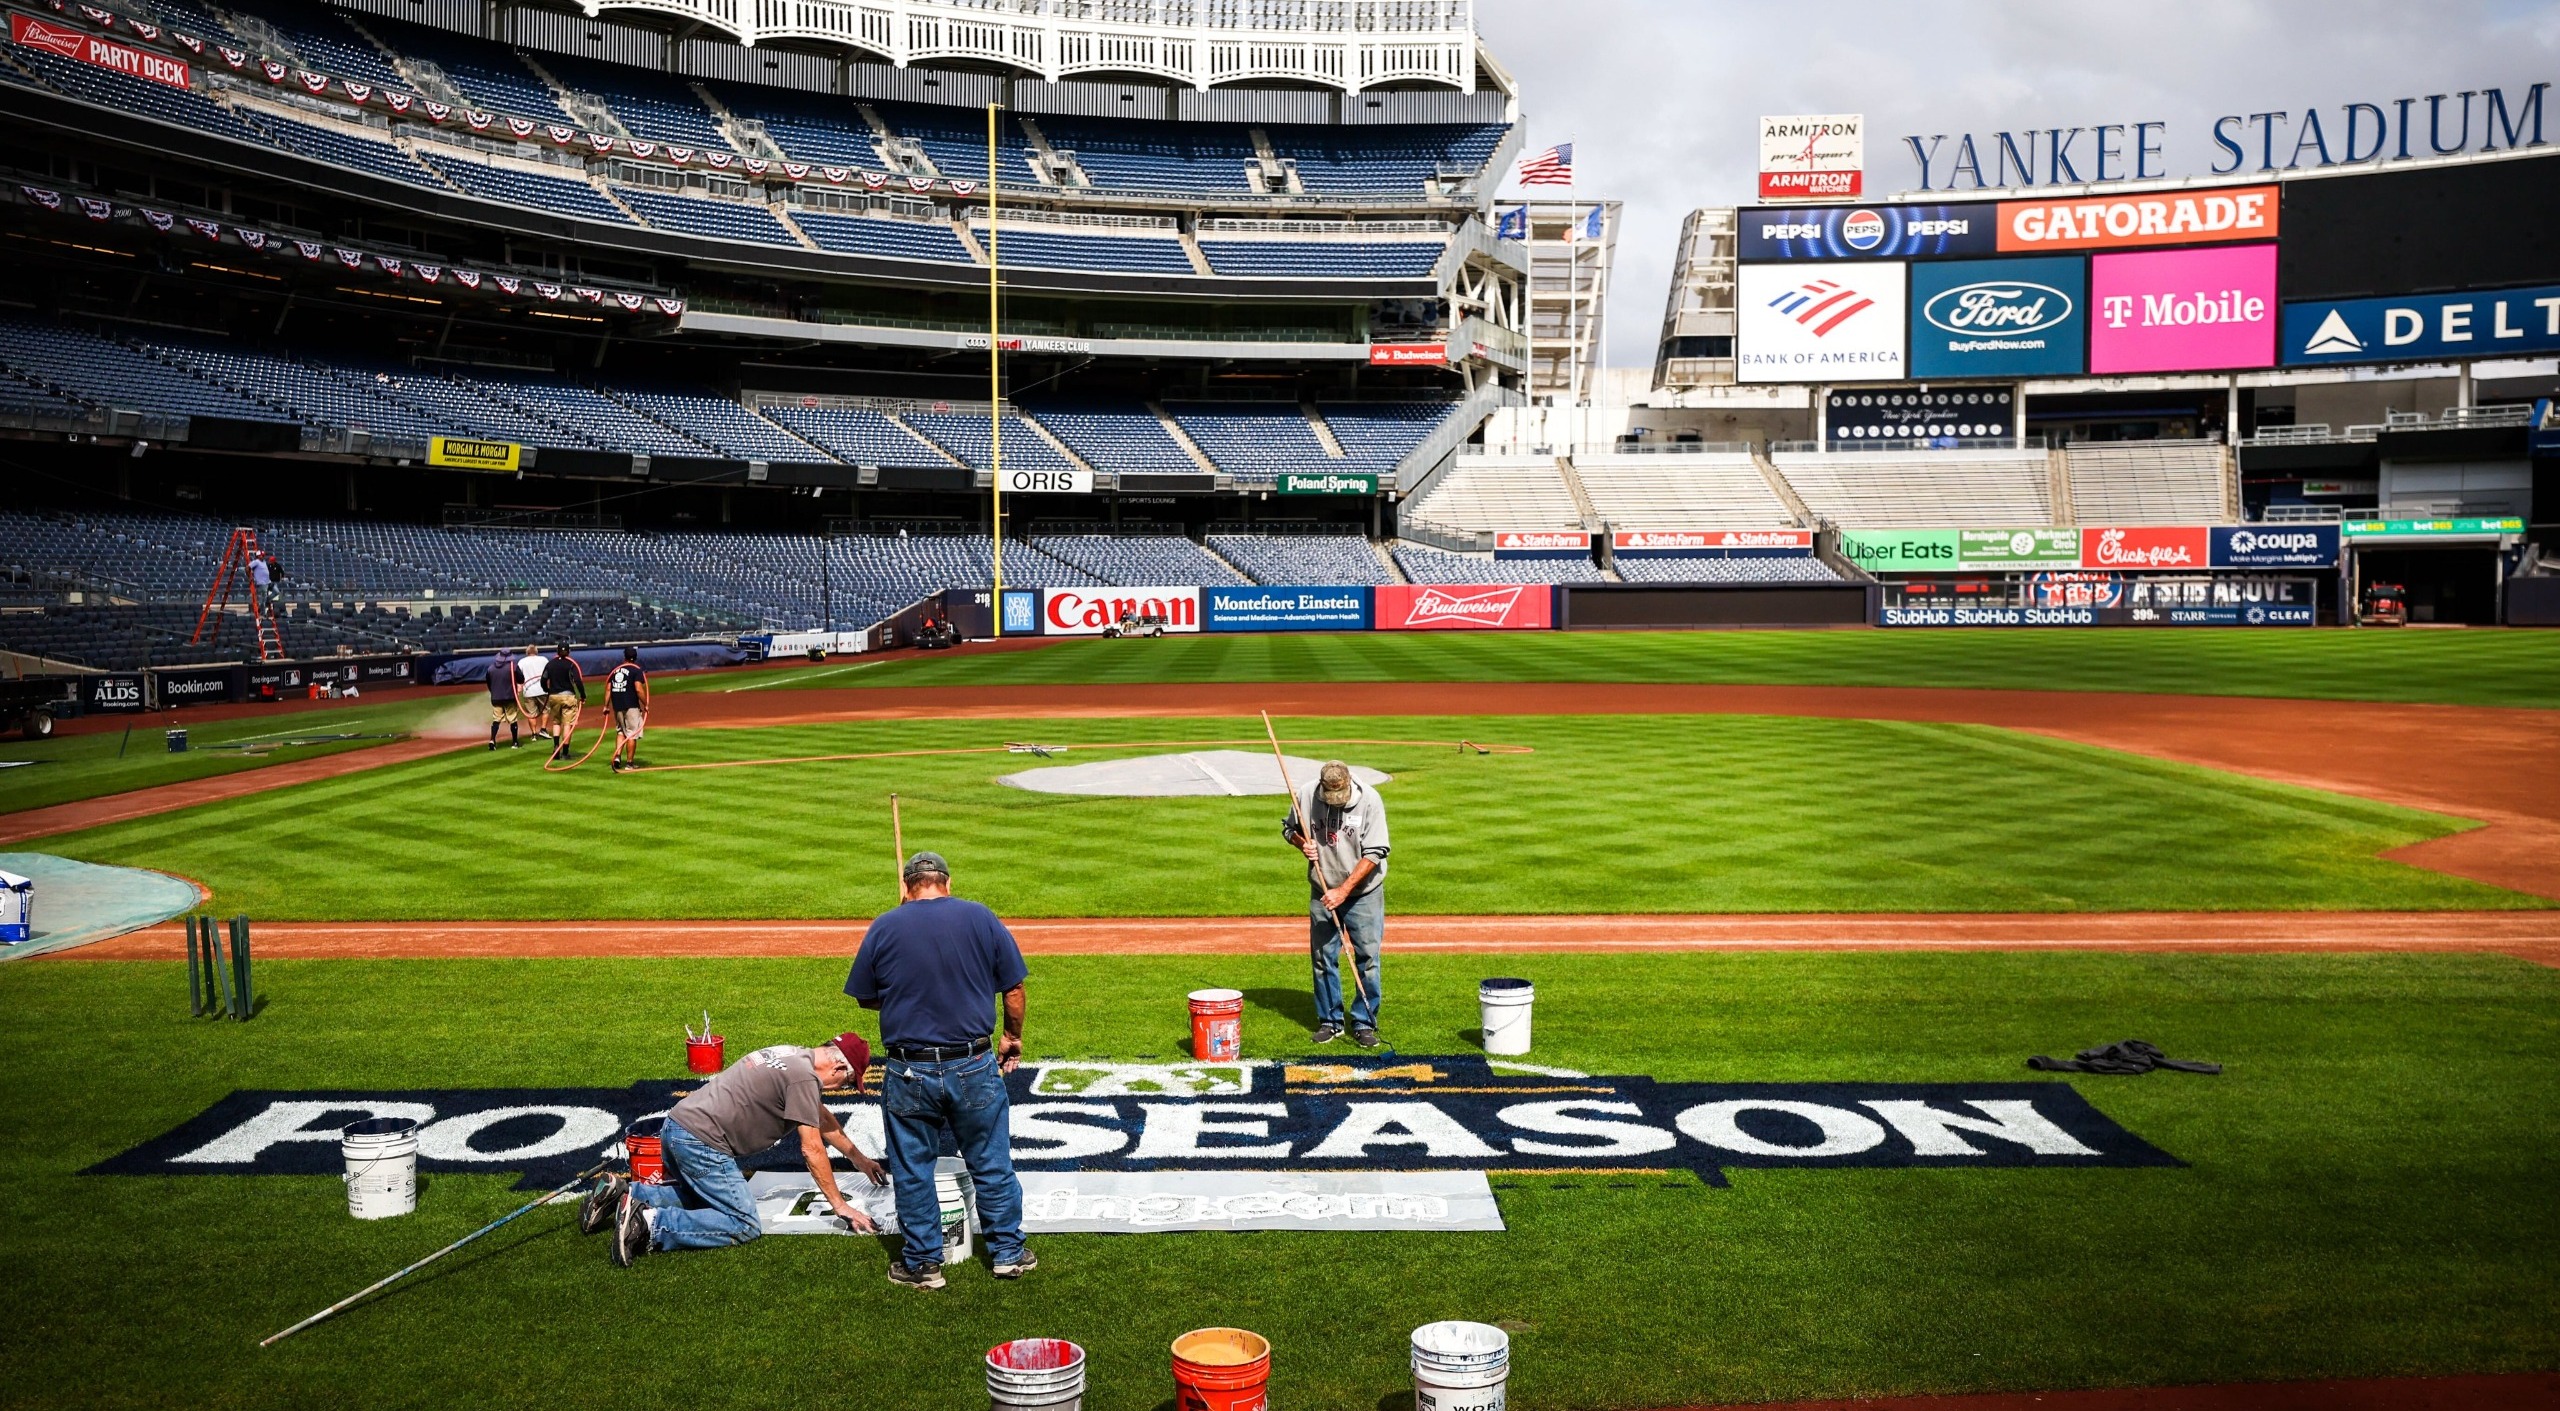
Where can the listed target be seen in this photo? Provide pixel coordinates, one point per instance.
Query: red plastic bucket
(1221, 1369)
(1217, 1025)
(642, 1145)
(704, 1055)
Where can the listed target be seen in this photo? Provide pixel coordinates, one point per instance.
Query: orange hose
(605, 730)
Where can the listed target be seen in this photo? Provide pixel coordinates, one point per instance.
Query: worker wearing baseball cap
(762, 1098)
(936, 967)
(1345, 843)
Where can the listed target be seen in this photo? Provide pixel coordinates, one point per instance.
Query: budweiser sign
(124, 58)
(2143, 548)
(1493, 605)
(1708, 540)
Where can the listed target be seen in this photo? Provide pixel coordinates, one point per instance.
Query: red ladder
(237, 554)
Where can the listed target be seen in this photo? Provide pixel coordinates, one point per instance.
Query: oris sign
(1085, 612)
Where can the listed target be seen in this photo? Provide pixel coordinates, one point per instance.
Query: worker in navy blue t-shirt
(934, 967)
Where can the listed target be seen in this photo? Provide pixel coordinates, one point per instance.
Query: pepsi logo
(1862, 230)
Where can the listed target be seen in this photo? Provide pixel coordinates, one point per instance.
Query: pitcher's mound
(1202, 773)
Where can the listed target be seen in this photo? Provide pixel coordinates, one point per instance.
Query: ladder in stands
(237, 555)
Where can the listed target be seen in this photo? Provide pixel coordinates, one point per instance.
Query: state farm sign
(2183, 547)
(90, 49)
(1535, 541)
(1413, 606)
(1085, 612)
(1659, 541)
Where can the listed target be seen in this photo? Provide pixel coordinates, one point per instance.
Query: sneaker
(1325, 1034)
(928, 1277)
(1365, 1038)
(630, 1231)
(617, 766)
(515, 744)
(597, 1210)
(493, 744)
(1018, 1267)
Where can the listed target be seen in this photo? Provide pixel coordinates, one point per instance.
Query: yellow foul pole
(995, 374)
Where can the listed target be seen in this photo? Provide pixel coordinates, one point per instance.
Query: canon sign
(1085, 612)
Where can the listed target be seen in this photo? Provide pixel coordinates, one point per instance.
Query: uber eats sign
(1959, 550)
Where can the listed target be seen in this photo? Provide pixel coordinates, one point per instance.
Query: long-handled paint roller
(359, 1295)
(897, 847)
(1315, 865)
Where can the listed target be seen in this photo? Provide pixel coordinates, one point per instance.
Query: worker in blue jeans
(935, 967)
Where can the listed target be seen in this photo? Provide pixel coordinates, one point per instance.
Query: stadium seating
(1395, 160)
(965, 435)
(110, 89)
(99, 371)
(953, 139)
(1323, 259)
(558, 195)
(807, 127)
(1884, 489)
(314, 395)
(1377, 436)
(720, 220)
(2147, 482)
(1157, 156)
(1302, 559)
(1710, 568)
(1499, 492)
(653, 107)
(719, 423)
(1254, 441)
(579, 411)
(883, 235)
(1115, 436)
(489, 75)
(322, 40)
(1119, 254)
(856, 435)
(1142, 559)
(1438, 566)
(341, 145)
(1672, 490)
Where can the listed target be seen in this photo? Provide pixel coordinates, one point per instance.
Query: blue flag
(1512, 224)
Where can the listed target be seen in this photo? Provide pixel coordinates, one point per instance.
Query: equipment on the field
(1504, 1007)
(1460, 1364)
(1217, 1025)
(1035, 1374)
(644, 1150)
(2383, 605)
(2129, 1057)
(218, 983)
(352, 1299)
(382, 1167)
(1221, 1369)
(604, 731)
(897, 848)
(704, 1053)
(1315, 865)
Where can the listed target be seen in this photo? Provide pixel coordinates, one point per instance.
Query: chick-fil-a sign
(2183, 310)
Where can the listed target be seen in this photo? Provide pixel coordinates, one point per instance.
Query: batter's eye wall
(1586, 607)
(2475, 226)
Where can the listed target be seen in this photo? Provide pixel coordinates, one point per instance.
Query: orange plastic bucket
(1217, 1025)
(1221, 1369)
(643, 1143)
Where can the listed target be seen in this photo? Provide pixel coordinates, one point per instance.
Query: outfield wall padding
(1584, 607)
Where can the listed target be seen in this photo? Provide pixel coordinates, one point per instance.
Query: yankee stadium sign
(1435, 1114)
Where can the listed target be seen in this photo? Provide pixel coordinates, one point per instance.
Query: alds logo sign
(1438, 1114)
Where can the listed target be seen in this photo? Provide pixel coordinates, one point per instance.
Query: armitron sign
(88, 48)
(1813, 156)
(1085, 612)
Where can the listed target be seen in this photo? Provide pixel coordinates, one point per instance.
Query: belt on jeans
(936, 1053)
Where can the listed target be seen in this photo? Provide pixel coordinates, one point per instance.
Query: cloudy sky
(1661, 96)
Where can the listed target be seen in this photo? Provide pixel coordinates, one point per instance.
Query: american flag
(1552, 167)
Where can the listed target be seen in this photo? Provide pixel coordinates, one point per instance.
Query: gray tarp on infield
(80, 902)
(1198, 774)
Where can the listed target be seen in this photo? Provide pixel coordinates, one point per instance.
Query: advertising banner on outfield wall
(2423, 327)
(1999, 318)
(1960, 550)
(1542, 544)
(1681, 543)
(2130, 222)
(1086, 612)
(1441, 607)
(198, 685)
(2183, 546)
(2274, 546)
(1827, 323)
(2183, 310)
(113, 691)
(1864, 232)
(2234, 615)
(1286, 609)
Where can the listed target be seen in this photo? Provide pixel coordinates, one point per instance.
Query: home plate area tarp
(1118, 1147)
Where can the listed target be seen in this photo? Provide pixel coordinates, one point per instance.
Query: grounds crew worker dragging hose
(1344, 835)
(762, 1098)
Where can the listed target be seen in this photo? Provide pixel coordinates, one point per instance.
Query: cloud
(1661, 95)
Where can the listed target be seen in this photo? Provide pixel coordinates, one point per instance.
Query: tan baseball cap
(1333, 785)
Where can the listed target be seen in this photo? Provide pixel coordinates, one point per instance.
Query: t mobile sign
(2183, 310)
(1086, 612)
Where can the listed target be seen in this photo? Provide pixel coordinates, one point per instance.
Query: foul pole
(995, 379)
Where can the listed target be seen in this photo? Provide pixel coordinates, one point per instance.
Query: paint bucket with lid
(1460, 1367)
(1221, 1369)
(705, 1056)
(645, 1144)
(382, 1167)
(1035, 1374)
(177, 741)
(958, 1198)
(1505, 1007)
(1217, 1025)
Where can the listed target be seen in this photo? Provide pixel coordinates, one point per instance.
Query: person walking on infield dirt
(502, 700)
(626, 696)
(932, 966)
(529, 702)
(564, 694)
(762, 1098)
(1346, 850)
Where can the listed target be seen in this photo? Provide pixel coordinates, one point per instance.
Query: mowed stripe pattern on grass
(2452, 668)
(1608, 814)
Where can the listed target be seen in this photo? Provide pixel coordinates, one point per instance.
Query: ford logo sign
(1862, 230)
(1998, 306)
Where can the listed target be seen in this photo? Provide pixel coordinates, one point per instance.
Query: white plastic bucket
(1460, 1367)
(382, 1167)
(17, 909)
(1505, 1007)
(958, 1198)
(1042, 1373)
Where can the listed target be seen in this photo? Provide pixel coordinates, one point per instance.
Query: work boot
(1018, 1266)
(1325, 1034)
(597, 1210)
(928, 1277)
(630, 1231)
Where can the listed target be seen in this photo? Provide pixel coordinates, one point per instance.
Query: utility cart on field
(2383, 605)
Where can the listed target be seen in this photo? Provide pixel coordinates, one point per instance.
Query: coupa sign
(1459, 1114)
(2273, 546)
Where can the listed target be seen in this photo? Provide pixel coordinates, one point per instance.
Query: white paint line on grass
(780, 680)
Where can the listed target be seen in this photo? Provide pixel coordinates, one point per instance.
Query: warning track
(2531, 935)
(2514, 1392)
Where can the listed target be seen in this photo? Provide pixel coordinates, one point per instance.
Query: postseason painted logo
(1433, 1114)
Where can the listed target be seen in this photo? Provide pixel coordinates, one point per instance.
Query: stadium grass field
(83, 766)
(2368, 1191)
(2447, 668)
(1608, 814)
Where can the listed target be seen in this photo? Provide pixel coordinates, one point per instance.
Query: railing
(1924, 445)
(1303, 228)
(2513, 414)
(1664, 448)
(2316, 433)
(2301, 514)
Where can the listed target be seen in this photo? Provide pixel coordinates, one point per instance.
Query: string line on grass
(1060, 749)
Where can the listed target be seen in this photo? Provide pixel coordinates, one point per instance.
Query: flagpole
(1573, 306)
(995, 378)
